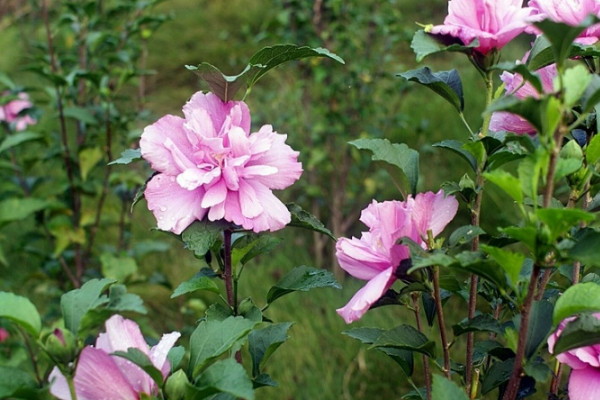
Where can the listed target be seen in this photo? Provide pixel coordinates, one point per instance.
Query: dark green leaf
(202, 235)
(14, 380)
(198, 282)
(18, 138)
(511, 262)
(213, 338)
(591, 96)
(140, 359)
(540, 323)
(479, 323)
(445, 389)
(586, 248)
(127, 157)
(365, 335)
(249, 310)
(406, 337)
(457, 147)
(583, 297)
(445, 83)
(396, 154)
(581, 332)
(498, 373)
(175, 357)
(263, 342)
(561, 36)
(304, 219)
(303, 279)
(76, 303)
(561, 220)
(464, 234)
(22, 311)
(262, 245)
(118, 301)
(425, 44)
(474, 263)
(263, 380)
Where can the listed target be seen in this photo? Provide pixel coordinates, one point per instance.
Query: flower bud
(62, 345)
(176, 385)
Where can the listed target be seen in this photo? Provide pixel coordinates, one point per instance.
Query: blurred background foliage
(321, 105)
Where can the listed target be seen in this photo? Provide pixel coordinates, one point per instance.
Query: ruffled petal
(584, 384)
(367, 296)
(360, 259)
(433, 211)
(166, 146)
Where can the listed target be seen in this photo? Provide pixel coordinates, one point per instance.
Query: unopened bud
(61, 345)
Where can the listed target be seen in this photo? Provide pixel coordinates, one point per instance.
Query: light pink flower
(376, 256)
(570, 12)
(514, 85)
(493, 22)
(210, 164)
(9, 112)
(100, 376)
(584, 382)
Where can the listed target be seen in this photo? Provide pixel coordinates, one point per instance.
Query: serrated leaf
(445, 83)
(445, 389)
(263, 342)
(22, 311)
(406, 337)
(304, 219)
(17, 138)
(15, 209)
(198, 282)
(561, 220)
(226, 376)
(396, 154)
(212, 338)
(75, 303)
(303, 279)
(118, 301)
(457, 147)
(201, 236)
(128, 156)
(583, 297)
(365, 334)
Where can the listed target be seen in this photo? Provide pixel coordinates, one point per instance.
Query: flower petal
(158, 353)
(433, 211)
(584, 384)
(165, 145)
(360, 259)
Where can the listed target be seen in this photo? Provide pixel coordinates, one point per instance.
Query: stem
(417, 310)
(71, 382)
(32, 355)
(227, 272)
(555, 383)
(515, 378)
(440, 314)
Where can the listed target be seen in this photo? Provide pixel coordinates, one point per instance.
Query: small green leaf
(497, 374)
(22, 311)
(425, 44)
(445, 389)
(591, 96)
(445, 83)
(575, 80)
(592, 152)
(212, 338)
(304, 219)
(88, 158)
(199, 282)
(479, 323)
(80, 114)
(540, 323)
(262, 245)
(407, 338)
(263, 342)
(364, 334)
(18, 138)
(507, 182)
(303, 279)
(76, 303)
(561, 220)
(396, 154)
(457, 147)
(140, 359)
(464, 234)
(225, 376)
(201, 236)
(583, 297)
(127, 157)
(15, 209)
(511, 262)
(581, 332)
(117, 268)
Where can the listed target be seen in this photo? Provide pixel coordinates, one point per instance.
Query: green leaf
(592, 152)
(540, 323)
(583, 297)
(199, 282)
(77, 302)
(497, 374)
(15, 209)
(303, 279)
(263, 342)
(88, 158)
(127, 157)
(263, 244)
(479, 323)
(175, 357)
(591, 96)
(507, 182)
(425, 44)
(581, 332)
(457, 147)
(225, 86)
(561, 220)
(18, 138)
(365, 334)
(80, 114)
(304, 219)
(575, 80)
(213, 338)
(140, 359)
(249, 310)
(117, 268)
(561, 36)
(445, 389)
(22, 311)
(445, 83)
(474, 262)
(396, 154)
(464, 234)
(13, 381)
(511, 262)
(407, 338)
(226, 376)
(201, 236)
(586, 248)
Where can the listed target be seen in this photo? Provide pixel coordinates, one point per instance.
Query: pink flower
(493, 22)
(9, 112)
(505, 121)
(101, 376)
(4, 335)
(584, 382)
(376, 256)
(210, 165)
(570, 12)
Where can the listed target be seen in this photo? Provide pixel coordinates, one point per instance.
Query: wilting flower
(584, 382)
(100, 376)
(570, 12)
(376, 256)
(10, 111)
(210, 164)
(505, 121)
(494, 23)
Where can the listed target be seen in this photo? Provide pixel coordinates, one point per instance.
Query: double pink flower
(10, 112)
(570, 12)
(101, 376)
(376, 256)
(210, 165)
